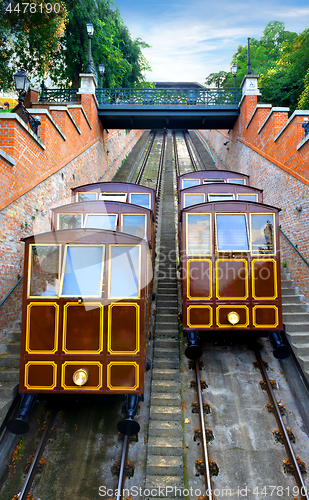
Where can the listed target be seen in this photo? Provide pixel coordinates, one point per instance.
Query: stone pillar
(87, 93)
(250, 93)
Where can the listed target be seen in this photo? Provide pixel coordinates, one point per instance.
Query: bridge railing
(58, 95)
(168, 96)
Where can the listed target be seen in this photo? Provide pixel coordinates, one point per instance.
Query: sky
(192, 38)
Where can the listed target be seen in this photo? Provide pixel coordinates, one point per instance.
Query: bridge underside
(115, 116)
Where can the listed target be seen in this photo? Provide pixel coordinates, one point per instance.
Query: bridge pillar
(87, 94)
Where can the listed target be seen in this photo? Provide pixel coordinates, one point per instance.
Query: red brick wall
(278, 164)
(38, 174)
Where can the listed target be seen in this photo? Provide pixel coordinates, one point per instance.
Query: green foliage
(29, 38)
(281, 59)
(217, 79)
(56, 44)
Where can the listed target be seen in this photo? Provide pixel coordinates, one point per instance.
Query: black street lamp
(249, 59)
(90, 33)
(234, 73)
(101, 70)
(22, 85)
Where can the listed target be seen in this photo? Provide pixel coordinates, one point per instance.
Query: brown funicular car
(124, 192)
(230, 270)
(211, 176)
(85, 316)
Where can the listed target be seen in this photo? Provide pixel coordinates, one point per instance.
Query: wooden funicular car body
(86, 303)
(230, 267)
(124, 192)
(109, 215)
(211, 176)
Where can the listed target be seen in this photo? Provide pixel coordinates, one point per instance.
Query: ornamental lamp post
(101, 70)
(22, 86)
(90, 33)
(234, 73)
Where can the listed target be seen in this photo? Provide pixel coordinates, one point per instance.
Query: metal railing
(58, 95)
(12, 290)
(186, 97)
(294, 246)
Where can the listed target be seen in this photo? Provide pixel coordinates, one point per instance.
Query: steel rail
(140, 174)
(122, 466)
(203, 430)
(160, 169)
(176, 155)
(197, 153)
(188, 146)
(287, 443)
(138, 159)
(31, 473)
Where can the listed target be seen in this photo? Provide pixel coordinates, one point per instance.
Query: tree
(29, 37)
(217, 79)
(55, 44)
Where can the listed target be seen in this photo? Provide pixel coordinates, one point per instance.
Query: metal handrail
(12, 290)
(150, 97)
(58, 95)
(294, 246)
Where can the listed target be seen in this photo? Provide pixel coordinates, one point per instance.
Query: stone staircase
(296, 319)
(9, 369)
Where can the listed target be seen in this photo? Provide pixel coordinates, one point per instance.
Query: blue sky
(192, 38)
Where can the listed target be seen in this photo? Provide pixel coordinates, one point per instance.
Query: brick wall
(37, 173)
(272, 148)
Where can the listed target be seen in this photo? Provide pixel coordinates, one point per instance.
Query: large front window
(198, 234)
(262, 234)
(101, 221)
(124, 271)
(44, 270)
(232, 233)
(83, 271)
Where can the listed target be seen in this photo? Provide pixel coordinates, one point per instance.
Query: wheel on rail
(17, 426)
(128, 426)
(193, 349)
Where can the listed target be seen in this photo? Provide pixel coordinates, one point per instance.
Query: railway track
(202, 461)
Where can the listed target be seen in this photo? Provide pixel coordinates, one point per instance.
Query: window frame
(210, 234)
(216, 233)
(113, 298)
(31, 245)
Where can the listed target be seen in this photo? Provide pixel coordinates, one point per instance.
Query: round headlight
(233, 317)
(80, 377)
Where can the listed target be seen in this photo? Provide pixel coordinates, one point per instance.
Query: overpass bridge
(159, 108)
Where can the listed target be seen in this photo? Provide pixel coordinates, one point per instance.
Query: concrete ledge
(7, 158)
(304, 141)
(296, 113)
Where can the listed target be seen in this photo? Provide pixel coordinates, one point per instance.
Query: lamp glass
(22, 82)
(233, 317)
(101, 68)
(90, 29)
(234, 69)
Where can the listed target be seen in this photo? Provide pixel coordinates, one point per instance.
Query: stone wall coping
(297, 112)
(40, 111)
(7, 158)
(273, 110)
(61, 108)
(14, 116)
(303, 141)
(79, 106)
(258, 106)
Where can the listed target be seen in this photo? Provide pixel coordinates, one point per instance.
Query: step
(9, 374)
(165, 386)
(165, 428)
(288, 291)
(293, 317)
(161, 352)
(165, 446)
(167, 309)
(172, 483)
(296, 299)
(160, 464)
(167, 342)
(11, 347)
(5, 404)
(8, 389)
(301, 349)
(162, 399)
(296, 326)
(295, 308)
(168, 413)
(165, 374)
(12, 360)
(287, 283)
(166, 363)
